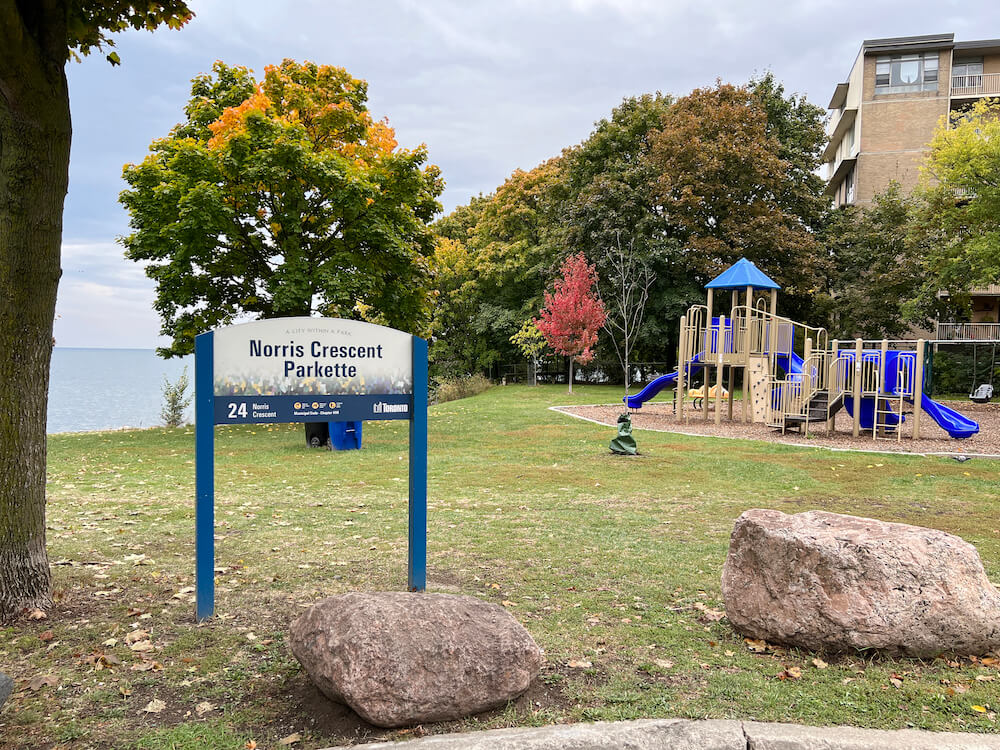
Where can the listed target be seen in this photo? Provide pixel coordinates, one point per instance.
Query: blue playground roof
(740, 275)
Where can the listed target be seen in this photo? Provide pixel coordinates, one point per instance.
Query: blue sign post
(306, 370)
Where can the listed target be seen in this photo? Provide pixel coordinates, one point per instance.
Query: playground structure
(793, 375)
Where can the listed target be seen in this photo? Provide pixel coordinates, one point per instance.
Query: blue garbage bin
(345, 436)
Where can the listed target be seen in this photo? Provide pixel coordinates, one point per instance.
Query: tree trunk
(34, 173)
(570, 374)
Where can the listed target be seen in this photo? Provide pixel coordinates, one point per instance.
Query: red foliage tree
(573, 313)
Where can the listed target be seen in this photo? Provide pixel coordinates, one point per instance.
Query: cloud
(104, 300)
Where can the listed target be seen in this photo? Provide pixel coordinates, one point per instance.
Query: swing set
(982, 393)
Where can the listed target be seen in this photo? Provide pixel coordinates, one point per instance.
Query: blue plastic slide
(655, 386)
(950, 420)
(791, 363)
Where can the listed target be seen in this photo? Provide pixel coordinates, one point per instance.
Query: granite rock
(400, 658)
(829, 582)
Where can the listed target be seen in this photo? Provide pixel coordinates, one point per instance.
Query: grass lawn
(612, 563)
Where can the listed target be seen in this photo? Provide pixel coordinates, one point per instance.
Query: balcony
(968, 332)
(979, 84)
(837, 130)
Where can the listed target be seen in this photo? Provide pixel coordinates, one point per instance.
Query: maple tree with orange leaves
(282, 197)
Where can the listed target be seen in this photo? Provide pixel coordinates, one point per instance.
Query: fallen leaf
(47, 636)
(664, 663)
(37, 614)
(290, 739)
(712, 615)
(819, 663)
(124, 691)
(135, 636)
(985, 678)
(579, 664)
(896, 682)
(142, 646)
(791, 673)
(757, 646)
(110, 642)
(979, 709)
(147, 666)
(41, 680)
(204, 708)
(508, 603)
(155, 706)
(250, 745)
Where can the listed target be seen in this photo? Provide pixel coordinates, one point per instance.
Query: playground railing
(840, 377)
(754, 327)
(695, 331)
(905, 374)
(871, 374)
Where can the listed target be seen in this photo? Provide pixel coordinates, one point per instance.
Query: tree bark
(34, 173)
(570, 374)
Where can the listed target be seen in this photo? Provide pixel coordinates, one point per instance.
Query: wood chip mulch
(660, 416)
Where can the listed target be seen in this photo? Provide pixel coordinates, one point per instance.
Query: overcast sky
(488, 86)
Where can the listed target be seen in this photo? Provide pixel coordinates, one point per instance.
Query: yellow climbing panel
(757, 373)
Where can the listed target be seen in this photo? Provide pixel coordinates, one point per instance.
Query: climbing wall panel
(757, 371)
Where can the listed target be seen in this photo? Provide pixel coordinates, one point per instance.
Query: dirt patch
(660, 416)
(324, 718)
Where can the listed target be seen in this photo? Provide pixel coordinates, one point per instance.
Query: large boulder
(401, 658)
(829, 582)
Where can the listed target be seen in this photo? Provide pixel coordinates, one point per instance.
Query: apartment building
(883, 116)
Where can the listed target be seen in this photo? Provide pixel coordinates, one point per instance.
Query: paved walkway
(681, 734)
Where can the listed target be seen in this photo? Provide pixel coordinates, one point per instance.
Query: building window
(967, 73)
(899, 74)
(849, 187)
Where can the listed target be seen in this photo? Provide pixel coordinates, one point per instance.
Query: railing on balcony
(968, 332)
(978, 84)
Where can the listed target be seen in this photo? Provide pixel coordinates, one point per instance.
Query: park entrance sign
(306, 370)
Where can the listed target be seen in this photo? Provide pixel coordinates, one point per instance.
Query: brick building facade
(884, 115)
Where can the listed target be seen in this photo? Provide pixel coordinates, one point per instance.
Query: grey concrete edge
(683, 734)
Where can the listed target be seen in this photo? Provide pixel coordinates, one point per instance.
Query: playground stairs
(820, 409)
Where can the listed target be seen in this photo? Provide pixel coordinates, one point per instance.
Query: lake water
(104, 389)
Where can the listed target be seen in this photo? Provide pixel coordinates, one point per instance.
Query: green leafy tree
(175, 400)
(510, 248)
(958, 212)
(798, 127)
(37, 38)
(531, 343)
(278, 198)
(875, 268)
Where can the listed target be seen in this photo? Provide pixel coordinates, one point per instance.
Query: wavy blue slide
(951, 421)
(655, 386)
